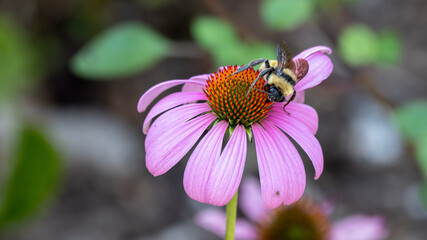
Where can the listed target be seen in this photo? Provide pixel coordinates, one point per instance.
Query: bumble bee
(281, 75)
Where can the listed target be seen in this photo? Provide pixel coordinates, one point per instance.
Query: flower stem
(231, 218)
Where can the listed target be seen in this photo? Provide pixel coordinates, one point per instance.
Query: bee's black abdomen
(274, 94)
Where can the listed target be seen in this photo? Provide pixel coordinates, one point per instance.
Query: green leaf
(220, 39)
(122, 50)
(33, 179)
(421, 152)
(213, 34)
(423, 194)
(412, 119)
(359, 45)
(390, 47)
(243, 53)
(286, 14)
(16, 59)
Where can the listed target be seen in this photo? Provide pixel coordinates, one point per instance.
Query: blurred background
(71, 72)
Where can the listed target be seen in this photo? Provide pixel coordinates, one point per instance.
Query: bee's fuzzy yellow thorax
(273, 64)
(284, 87)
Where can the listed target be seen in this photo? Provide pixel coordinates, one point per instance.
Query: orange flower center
(226, 95)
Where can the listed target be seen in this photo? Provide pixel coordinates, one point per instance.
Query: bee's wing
(284, 57)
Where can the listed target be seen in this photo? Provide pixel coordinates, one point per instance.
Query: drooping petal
(214, 221)
(251, 200)
(306, 53)
(201, 162)
(359, 227)
(300, 97)
(191, 87)
(272, 168)
(298, 112)
(228, 169)
(304, 138)
(154, 91)
(173, 134)
(294, 173)
(169, 102)
(320, 67)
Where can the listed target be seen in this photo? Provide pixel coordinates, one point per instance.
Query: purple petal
(301, 113)
(214, 221)
(306, 53)
(169, 102)
(299, 132)
(191, 87)
(281, 171)
(201, 163)
(294, 173)
(227, 172)
(172, 135)
(154, 91)
(320, 67)
(300, 97)
(244, 230)
(359, 227)
(251, 200)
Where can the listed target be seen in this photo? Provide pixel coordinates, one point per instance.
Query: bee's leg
(252, 64)
(290, 100)
(260, 75)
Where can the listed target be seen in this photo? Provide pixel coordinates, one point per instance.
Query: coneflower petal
(250, 200)
(191, 87)
(173, 134)
(154, 91)
(300, 97)
(228, 169)
(305, 139)
(199, 166)
(306, 53)
(294, 173)
(271, 168)
(169, 102)
(214, 220)
(320, 67)
(359, 227)
(302, 113)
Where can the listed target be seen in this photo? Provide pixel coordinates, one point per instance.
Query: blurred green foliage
(122, 50)
(390, 47)
(221, 40)
(17, 59)
(412, 118)
(33, 178)
(281, 15)
(360, 46)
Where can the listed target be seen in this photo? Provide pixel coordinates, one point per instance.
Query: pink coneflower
(301, 220)
(216, 104)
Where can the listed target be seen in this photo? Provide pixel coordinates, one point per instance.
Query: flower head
(301, 220)
(210, 104)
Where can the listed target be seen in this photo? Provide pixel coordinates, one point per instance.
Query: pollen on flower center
(226, 95)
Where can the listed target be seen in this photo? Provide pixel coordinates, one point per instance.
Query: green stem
(231, 218)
